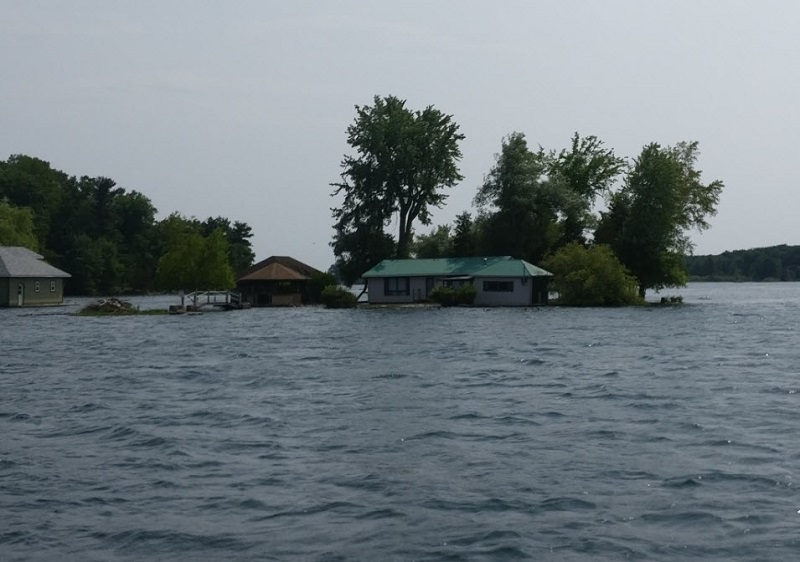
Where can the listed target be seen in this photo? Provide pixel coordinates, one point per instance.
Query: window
(456, 283)
(396, 286)
(498, 286)
(36, 286)
(52, 286)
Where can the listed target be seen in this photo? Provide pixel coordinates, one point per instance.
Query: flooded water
(662, 433)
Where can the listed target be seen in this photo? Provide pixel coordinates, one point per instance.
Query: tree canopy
(437, 244)
(649, 218)
(403, 161)
(105, 236)
(586, 170)
(773, 263)
(195, 262)
(16, 226)
(531, 204)
(517, 205)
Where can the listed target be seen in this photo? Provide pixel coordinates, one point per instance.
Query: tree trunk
(401, 252)
(642, 291)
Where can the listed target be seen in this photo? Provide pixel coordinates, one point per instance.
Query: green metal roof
(497, 266)
(512, 268)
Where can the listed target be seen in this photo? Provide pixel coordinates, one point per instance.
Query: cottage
(498, 281)
(27, 280)
(276, 281)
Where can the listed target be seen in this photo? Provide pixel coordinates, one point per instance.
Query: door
(20, 294)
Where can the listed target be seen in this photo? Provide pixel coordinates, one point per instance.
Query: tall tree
(518, 206)
(16, 226)
(95, 265)
(30, 182)
(404, 159)
(194, 262)
(464, 243)
(134, 216)
(648, 220)
(587, 169)
(240, 250)
(104, 192)
(359, 248)
(437, 244)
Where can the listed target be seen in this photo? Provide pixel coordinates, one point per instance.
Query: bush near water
(334, 296)
(448, 296)
(591, 277)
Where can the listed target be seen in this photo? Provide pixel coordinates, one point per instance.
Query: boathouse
(27, 280)
(276, 281)
(498, 281)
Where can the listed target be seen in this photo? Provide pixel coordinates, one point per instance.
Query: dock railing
(199, 299)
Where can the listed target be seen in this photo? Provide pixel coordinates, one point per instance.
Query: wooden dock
(198, 300)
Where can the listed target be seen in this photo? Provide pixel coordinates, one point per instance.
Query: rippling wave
(452, 434)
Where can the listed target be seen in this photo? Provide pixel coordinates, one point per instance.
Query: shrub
(448, 296)
(334, 296)
(445, 296)
(465, 294)
(318, 282)
(591, 277)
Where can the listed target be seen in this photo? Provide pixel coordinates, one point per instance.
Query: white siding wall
(520, 296)
(376, 295)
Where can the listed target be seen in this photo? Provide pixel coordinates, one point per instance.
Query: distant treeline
(108, 239)
(775, 263)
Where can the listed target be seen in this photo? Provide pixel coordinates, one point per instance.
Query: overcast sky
(239, 108)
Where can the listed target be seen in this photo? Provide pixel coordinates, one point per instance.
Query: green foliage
(648, 219)
(773, 263)
(464, 242)
(359, 250)
(520, 204)
(533, 202)
(136, 234)
(437, 244)
(518, 211)
(96, 266)
(449, 296)
(445, 296)
(465, 294)
(238, 234)
(404, 160)
(32, 183)
(103, 235)
(216, 269)
(586, 170)
(192, 262)
(591, 277)
(334, 296)
(317, 284)
(16, 227)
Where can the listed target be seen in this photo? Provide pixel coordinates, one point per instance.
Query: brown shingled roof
(278, 268)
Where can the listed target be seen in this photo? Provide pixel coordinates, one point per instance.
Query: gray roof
(16, 261)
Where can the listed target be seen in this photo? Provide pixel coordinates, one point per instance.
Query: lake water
(662, 433)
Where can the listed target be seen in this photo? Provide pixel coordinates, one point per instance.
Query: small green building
(498, 280)
(27, 280)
